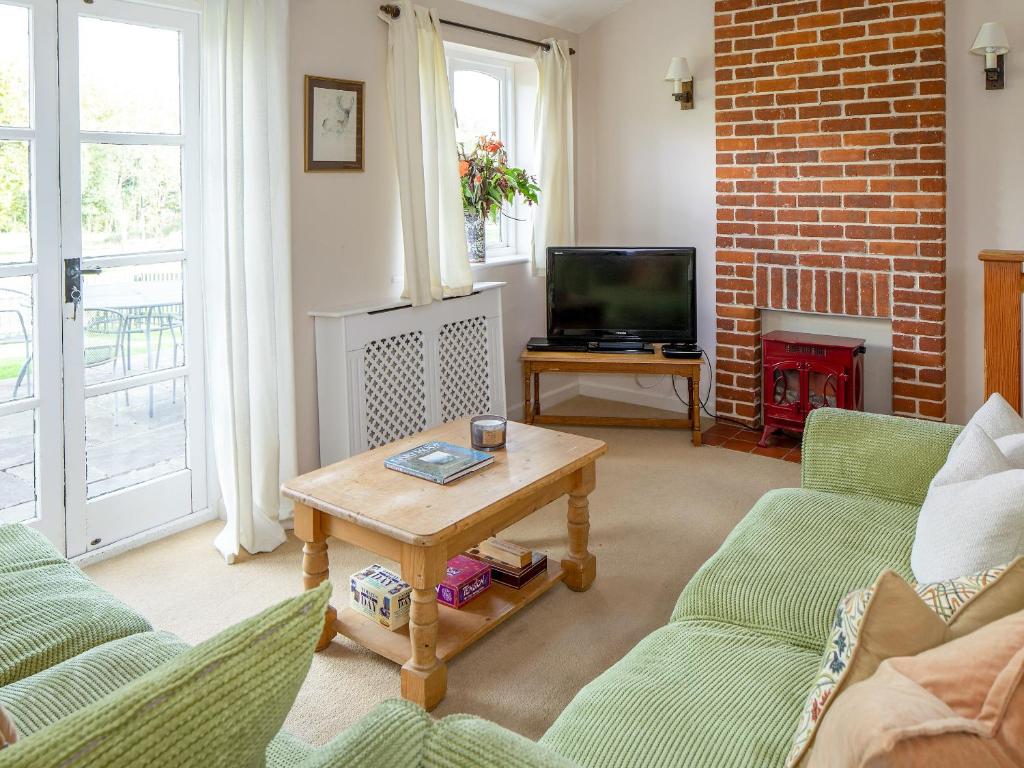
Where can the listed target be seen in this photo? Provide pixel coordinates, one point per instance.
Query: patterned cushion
(218, 704)
(948, 598)
(49, 610)
(848, 658)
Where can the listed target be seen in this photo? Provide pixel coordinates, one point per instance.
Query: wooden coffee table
(421, 525)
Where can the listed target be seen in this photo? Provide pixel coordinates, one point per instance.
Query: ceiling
(572, 15)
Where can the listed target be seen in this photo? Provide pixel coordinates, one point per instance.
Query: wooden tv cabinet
(536, 363)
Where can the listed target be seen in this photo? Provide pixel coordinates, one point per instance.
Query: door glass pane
(14, 66)
(16, 314)
(15, 229)
(131, 199)
(134, 320)
(134, 435)
(17, 467)
(128, 77)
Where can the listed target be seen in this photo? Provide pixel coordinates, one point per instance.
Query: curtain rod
(394, 12)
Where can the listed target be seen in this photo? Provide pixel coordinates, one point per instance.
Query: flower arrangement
(487, 184)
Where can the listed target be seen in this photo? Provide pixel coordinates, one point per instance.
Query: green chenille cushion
(218, 704)
(49, 610)
(869, 454)
(286, 751)
(786, 566)
(461, 741)
(399, 734)
(48, 696)
(690, 694)
(393, 735)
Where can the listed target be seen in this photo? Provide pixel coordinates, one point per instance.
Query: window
(494, 93)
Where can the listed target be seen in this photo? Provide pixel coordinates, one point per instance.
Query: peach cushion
(960, 704)
(8, 733)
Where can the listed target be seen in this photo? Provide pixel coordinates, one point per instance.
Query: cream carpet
(661, 509)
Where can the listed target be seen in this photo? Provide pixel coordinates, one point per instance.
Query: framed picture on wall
(334, 124)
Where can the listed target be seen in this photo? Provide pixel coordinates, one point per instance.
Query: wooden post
(1003, 284)
(527, 405)
(424, 676)
(315, 563)
(536, 394)
(581, 565)
(698, 440)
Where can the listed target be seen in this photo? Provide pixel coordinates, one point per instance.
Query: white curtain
(423, 123)
(247, 270)
(555, 222)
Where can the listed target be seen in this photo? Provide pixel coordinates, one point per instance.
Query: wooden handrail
(1004, 283)
(992, 255)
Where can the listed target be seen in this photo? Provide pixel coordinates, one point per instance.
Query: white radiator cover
(386, 372)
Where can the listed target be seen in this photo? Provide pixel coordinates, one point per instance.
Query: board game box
(381, 595)
(465, 579)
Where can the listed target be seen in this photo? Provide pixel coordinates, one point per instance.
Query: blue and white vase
(476, 237)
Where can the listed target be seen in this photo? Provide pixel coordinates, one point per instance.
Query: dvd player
(607, 346)
(546, 344)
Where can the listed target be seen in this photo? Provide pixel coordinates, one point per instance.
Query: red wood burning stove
(804, 371)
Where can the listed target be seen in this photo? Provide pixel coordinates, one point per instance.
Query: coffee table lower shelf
(457, 629)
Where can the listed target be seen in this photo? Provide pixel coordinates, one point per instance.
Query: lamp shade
(991, 39)
(678, 70)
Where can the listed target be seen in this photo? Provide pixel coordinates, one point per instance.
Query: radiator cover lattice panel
(464, 357)
(396, 388)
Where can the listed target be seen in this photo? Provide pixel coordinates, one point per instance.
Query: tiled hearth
(781, 446)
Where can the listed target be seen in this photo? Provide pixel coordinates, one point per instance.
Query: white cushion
(973, 516)
(997, 419)
(1012, 447)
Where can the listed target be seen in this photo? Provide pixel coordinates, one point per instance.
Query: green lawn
(12, 355)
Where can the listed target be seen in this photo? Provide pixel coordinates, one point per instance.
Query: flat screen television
(641, 294)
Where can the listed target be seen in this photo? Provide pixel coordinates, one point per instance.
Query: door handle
(73, 283)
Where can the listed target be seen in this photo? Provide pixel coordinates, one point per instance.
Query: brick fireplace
(830, 118)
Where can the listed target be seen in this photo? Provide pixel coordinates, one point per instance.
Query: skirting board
(146, 537)
(593, 387)
(633, 395)
(549, 398)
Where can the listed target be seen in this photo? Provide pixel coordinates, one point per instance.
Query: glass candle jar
(488, 432)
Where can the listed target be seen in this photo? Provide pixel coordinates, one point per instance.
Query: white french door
(104, 401)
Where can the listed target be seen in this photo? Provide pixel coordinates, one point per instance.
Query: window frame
(502, 68)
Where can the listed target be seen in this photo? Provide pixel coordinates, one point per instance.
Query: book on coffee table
(509, 575)
(438, 462)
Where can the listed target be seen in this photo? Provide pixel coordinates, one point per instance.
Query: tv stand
(621, 347)
(536, 362)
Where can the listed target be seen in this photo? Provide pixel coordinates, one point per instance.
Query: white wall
(986, 182)
(646, 169)
(346, 243)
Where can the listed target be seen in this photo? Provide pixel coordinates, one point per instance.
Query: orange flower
(463, 168)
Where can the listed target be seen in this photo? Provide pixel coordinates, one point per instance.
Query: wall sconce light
(993, 45)
(679, 74)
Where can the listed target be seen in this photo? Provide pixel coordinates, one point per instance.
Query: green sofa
(721, 684)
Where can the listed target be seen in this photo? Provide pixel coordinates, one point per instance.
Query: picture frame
(334, 115)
